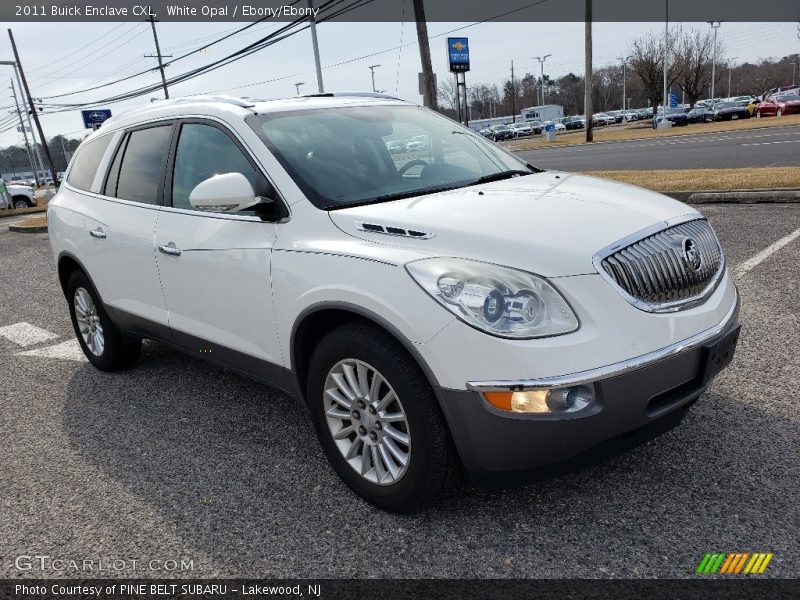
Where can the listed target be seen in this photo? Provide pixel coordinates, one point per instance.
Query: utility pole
(38, 165)
(730, 66)
(24, 131)
(53, 172)
(513, 93)
(587, 77)
(666, 50)
(158, 53)
(714, 25)
(428, 81)
(624, 64)
(541, 60)
(794, 71)
(372, 72)
(313, 20)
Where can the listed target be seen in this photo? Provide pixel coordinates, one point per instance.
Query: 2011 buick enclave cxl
(458, 307)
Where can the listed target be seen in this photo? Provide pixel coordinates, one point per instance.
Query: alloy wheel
(89, 322)
(20, 204)
(367, 421)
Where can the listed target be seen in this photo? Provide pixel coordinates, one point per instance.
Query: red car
(779, 104)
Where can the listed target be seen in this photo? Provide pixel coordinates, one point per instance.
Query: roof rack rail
(241, 102)
(350, 94)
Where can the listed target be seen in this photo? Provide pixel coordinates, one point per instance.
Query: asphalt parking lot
(177, 459)
(770, 147)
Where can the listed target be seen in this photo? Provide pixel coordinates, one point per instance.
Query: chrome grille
(661, 271)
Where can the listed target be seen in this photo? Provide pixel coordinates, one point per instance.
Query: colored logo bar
(734, 563)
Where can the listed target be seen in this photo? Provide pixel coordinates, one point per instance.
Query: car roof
(232, 107)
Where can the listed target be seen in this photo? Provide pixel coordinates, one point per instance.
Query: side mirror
(228, 192)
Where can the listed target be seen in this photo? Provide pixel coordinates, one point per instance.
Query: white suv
(454, 307)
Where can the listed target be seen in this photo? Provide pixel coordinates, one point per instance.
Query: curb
(27, 228)
(736, 196)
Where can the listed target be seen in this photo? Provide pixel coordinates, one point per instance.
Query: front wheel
(20, 203)
(102, 342)
(378, 420)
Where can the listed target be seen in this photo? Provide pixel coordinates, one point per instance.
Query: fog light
(569, 399)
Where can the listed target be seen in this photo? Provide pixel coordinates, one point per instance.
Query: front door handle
(170, 249)
(98, 233)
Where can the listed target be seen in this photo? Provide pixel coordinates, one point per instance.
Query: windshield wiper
(501, 175)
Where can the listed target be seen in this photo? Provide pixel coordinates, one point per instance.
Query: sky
(65, 57)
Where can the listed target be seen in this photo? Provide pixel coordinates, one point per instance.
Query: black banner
(540, 11)
(733, 588)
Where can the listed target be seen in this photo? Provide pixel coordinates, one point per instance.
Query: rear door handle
(170, 249)
(98, 233)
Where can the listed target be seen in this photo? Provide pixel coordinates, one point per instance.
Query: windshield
(340, 156)
(788, 98)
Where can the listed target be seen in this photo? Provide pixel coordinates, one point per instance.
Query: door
(120, 227)
(215, 267)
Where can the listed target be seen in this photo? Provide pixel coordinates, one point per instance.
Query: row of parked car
(19, 195)
(776, 103)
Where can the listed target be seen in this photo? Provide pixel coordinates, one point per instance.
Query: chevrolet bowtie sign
(458, 54)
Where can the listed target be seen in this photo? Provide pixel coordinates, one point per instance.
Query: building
(548, 112)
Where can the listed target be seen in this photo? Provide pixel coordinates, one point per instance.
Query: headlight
(498, 300)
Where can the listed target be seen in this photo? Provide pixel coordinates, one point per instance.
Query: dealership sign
(92, 119)
(458, 54)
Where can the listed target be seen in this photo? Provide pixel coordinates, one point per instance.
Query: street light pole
(714, 25)
(730, 66)
(624, 64)
(794, 71)
(297, 86)
(541, 60)
(315, 44)
(372, 72)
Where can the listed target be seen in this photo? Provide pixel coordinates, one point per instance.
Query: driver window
(204, 151)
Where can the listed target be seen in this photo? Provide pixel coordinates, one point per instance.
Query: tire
(106, 347)
(21, 202)
(432, 468)
(779, 113)
(758, 114)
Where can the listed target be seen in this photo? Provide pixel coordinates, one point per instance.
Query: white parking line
(25, 334)
(69, 350)
(747, 265)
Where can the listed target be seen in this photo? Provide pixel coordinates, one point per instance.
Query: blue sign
(95, 117)
(673, 100)
(458, 54)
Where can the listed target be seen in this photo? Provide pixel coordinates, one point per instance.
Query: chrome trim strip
(664, 307)
(613, 370)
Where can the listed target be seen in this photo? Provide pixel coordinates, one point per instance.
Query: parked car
(603, 119)
(396, 146)
(778, 105)
(674, 115)
(521, 129)
(574, 122)
(501, 132)
(487, 133)
(726, 111)
(429, 323)
(22, 196)
(536, 125)
(631, 115)
(560, 127)
(417, 143)
(697, 114)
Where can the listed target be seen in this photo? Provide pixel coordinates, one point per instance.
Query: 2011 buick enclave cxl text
(451, 308)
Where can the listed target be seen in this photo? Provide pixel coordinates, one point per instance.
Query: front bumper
(634, 401)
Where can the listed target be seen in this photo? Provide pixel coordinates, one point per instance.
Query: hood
(549, 223)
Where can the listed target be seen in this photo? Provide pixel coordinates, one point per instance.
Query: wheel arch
(68, 263)
(317, 320)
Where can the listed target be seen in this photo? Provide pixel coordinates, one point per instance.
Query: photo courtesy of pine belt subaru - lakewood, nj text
(439, 307)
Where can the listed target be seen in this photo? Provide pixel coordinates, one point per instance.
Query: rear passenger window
(83, 170)
(141, 165)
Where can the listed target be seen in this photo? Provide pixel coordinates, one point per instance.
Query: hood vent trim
(392, 230)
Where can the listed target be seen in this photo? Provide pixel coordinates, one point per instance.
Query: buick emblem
(691, 254)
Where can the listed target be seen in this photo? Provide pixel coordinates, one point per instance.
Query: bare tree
(447, 93)
(647, 61)
(694, 52)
